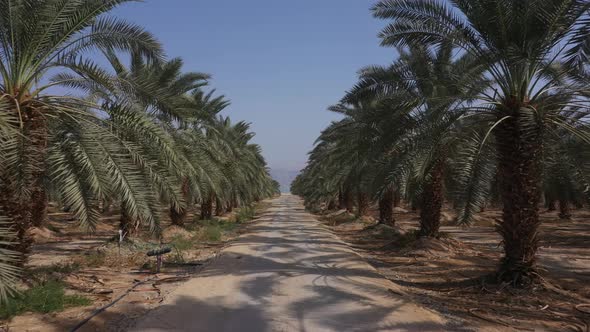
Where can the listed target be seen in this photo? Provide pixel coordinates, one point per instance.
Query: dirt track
(288, 273)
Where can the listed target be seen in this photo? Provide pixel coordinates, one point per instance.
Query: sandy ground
(288, 273)
(120, 276)
(452, 275)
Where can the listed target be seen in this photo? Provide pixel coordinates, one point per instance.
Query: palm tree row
(93, 114)
(487, 103)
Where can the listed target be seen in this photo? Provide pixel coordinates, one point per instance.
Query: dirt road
(289, 274)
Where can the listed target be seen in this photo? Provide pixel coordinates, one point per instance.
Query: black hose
(98, 311)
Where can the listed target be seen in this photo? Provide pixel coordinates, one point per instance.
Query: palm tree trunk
(177, 217)
(218, 208)
(20, 219)
(362, 204)
(106, 205)
(331, 205)
(38, 207)
(431, 205)
(415, 203)
(519, 167)
(348, 203)
(564, 210)
(397, 198)
(386, 208)
(22, 208)
(207, 208)
(551, 205)
(125, 221)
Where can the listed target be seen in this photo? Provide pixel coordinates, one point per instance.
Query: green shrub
(181, 243)
(213, 233)
(43, 298)
(245, 214)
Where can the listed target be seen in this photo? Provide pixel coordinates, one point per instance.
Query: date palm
(245, 176)
(9, 272)
(567, 165)
(434, 85)
(44, 44)
(165, 96)
(520, 44)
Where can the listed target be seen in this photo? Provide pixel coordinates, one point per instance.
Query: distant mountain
(284, 177)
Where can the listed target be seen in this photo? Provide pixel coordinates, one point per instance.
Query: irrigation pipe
(100, 310)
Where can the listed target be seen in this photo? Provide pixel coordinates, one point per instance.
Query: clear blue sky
(282, 63)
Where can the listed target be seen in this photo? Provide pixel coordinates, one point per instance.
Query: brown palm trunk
(230, 207)
(331, 205)
(20, 219)
(341, 201)
(550, 203)
(207, 208)
(348, 203)
(177, 217)
(519, 168)
(362, 204)
(106, 206)
(19, 205)
(431, 205)
(386, 208)
(397, 198)
(38, 207)
(218, 208)
(564, 210)
(126, 223)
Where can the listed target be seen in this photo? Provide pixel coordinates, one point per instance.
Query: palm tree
(341, 162)
(434, 85)
(519, 43)
(243, 167)
(229, 171)
(38, 39)
(566, 178)
(9, 273)
(172, 100)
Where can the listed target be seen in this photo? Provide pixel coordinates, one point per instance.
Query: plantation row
(93, 115)
(485, 106)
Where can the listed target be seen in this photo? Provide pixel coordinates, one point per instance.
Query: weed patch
(180, 244)
(95, 259)
(214, 229)
(54, 272)
(43, 298)
(245, 214)
(213, 233)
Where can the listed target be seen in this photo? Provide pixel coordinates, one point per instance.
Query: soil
(452, 274)
(288, 274)
(449, 275)
(104, 272)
